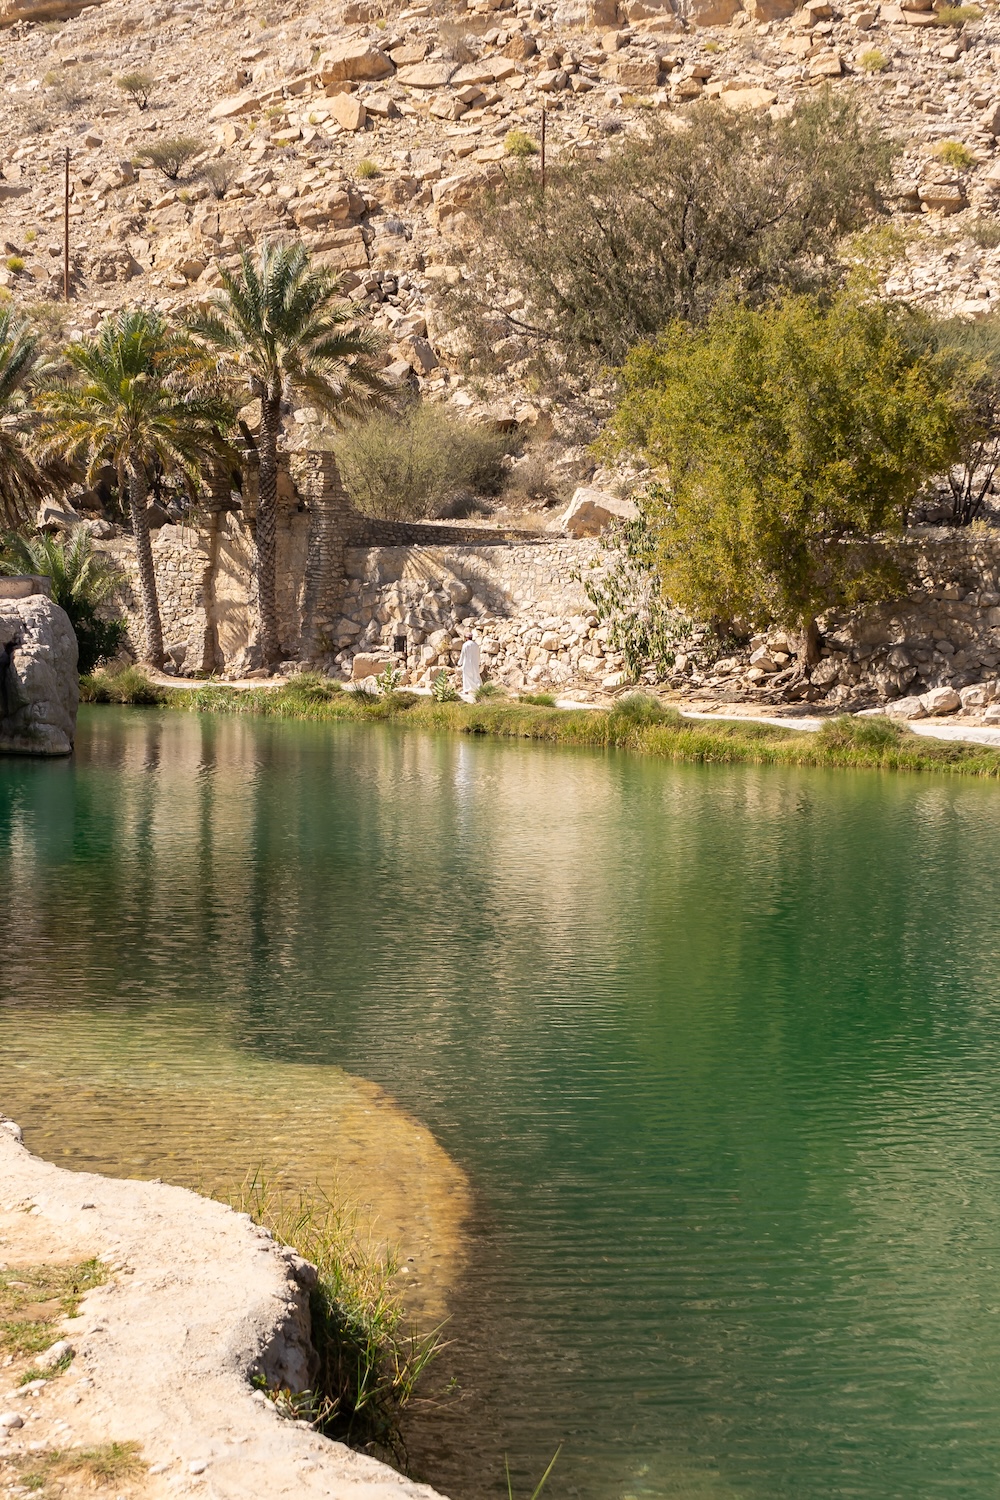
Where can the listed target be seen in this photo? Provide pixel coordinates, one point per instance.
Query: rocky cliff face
(39, 688)
(365, 129)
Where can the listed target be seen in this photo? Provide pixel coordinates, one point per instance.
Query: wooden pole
(543, 148)
(66, 233)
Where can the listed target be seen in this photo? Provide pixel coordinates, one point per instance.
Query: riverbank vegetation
(369, 1360)
(638, 722)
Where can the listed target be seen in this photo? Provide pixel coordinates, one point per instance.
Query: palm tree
(279, 324)
(137, 400)
(21, 484)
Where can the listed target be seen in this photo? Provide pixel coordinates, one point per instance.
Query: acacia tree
(21, 484)
(137, 398)
(615, 247)
(280, 325)
(785, 439)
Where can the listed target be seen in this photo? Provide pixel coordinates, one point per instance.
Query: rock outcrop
(200, 1301)
(39, 687)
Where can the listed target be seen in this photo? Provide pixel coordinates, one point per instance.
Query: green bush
(400, 466)
(443, 690)
(520, 143)
(137, 86)
(873, 60)
(489, 690)
(958, 15)
(82, 582)
(540, 700)
(955, 154)
(172, 155)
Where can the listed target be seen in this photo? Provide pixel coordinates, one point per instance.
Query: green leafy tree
(21, 484)
(280, 325)
(617, 246)
(83, 581)
(786, 439)
(138, 399)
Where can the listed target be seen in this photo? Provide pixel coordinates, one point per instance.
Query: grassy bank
(637, 722)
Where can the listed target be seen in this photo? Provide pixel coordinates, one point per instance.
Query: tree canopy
(785, 436)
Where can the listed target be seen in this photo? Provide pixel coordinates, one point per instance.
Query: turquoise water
(718, 1049)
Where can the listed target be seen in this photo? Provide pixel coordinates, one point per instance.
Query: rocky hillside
(366, 128)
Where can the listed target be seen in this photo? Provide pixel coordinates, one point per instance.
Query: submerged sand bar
(199, 1299)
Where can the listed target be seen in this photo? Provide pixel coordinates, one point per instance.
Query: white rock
(592, 510)
(9, 1420)
(942, 700)
(906, 708)
(59, 1351)
(41, 689)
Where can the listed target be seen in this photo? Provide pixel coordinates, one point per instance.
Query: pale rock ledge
(201, 1299)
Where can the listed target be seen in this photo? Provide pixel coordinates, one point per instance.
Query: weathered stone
(906, 708)
(591, 511)
(745, 99)
(638, 72)
(426, 75)
(354, 62)
(942, 197)
(365, 665)
(348, 112)
(39, 688)
(989, 120)
(942, 700)
(239, 104)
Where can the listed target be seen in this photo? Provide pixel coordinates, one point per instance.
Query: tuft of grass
(985, 233)
(369, 1361)
(34, 1298)
(15, 263)
(59, 1368)
(489, 690)
(957, 15)
(367, 169)
(520, 144)
(540, 700)
(873, 60)
(541, 1483)
(644, 708)
(954, 154)
(129, 686)
(111, 1465)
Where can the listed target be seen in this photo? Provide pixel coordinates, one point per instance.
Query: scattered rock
(942, 700)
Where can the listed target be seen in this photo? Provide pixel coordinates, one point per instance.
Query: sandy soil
(199, 1299)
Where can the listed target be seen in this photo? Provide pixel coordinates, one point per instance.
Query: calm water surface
(717, 1049)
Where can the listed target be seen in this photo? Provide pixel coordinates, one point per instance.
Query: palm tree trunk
(267, 527)
(144, 554)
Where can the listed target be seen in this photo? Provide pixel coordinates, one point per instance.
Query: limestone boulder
(942, 700)
(367, 665)
(39, 686)
(906, 708)
(591, 511)
(354, 62)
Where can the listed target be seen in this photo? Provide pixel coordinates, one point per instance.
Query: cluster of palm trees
(146, 395)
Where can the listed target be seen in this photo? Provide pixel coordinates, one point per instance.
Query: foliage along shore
(637, 722)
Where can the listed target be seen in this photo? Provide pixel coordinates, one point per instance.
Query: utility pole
(66, 233)
(543, 148)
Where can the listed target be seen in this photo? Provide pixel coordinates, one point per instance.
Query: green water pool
(714, 1054)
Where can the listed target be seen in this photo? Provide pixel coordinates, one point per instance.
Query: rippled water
(718, 1050)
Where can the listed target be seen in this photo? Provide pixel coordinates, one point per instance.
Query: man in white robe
(468, 661)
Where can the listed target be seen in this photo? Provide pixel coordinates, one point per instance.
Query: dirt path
(198, 1299)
